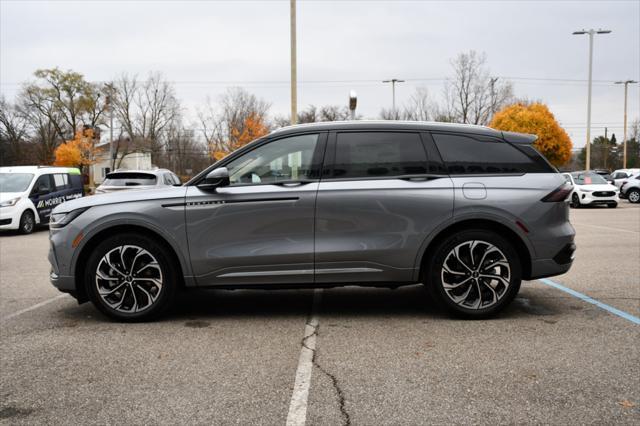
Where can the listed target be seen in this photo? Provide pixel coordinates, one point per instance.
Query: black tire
(442, 253)
(27, 222)
(137, 289)
(575, 201)
(633, 195)
(612, 205)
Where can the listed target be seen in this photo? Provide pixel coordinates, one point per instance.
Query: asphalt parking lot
(381, 356)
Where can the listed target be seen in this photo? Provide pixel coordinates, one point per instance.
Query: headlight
(10, 203)
(59, 220)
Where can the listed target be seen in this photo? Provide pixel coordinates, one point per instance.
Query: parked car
(631, 189)
(619, 176)
(467, 210)
(29, 193)
(138, 179)
(590, 188)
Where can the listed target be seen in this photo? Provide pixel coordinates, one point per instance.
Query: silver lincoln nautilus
(466, 210)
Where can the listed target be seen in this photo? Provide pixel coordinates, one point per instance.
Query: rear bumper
(559, 264)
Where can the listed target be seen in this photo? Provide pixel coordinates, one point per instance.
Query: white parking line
(607, 227)
(31, 308)
(298, 407)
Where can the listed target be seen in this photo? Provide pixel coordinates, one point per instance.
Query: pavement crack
(346, 418)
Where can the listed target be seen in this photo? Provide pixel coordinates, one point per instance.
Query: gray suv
(466, 210)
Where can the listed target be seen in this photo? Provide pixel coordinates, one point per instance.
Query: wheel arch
(524, 253)
(98, 237)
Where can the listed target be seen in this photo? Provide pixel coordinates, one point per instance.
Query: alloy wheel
(28, 223)
(475, 275)
(128, 279)
(634, 196)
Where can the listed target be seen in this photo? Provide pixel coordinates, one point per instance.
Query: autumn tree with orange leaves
(535, 118)
(77, 152)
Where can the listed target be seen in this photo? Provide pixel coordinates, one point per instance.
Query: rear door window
(467, 154)
(378, 155)
(61, 181)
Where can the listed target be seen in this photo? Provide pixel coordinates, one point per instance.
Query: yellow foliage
(78, 152)
(553, 142)
(253, 128)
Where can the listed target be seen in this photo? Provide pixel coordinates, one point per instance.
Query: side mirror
(215, 179)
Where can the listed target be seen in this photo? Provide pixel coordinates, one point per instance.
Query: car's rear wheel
(474, 273)
(634, 196)
(129, 277)
(27, 222)
(575, 201)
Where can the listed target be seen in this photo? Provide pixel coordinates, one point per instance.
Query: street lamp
(353, 101)
(393, 82)
(590, 32)
(624, 136)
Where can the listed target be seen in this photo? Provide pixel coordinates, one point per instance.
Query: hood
(166, 193)
(598, 187)
(6, 196)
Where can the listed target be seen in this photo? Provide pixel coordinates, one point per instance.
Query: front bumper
(9, 218)
(587, 198)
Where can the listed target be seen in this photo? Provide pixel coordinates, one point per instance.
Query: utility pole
(294, 71)
(492, 82)
(624, 135)
(591, 33)
(393, 82)
(110, 104)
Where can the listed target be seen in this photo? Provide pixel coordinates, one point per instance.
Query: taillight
(559, 194)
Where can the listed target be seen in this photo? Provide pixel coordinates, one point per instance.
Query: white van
(29, 193)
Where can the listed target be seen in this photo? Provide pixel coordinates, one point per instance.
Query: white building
(131, 161)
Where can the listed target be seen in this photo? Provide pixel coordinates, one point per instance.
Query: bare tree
(144, 111)
(13, 133)
(220, 123)
(420, 107)
(472, 95)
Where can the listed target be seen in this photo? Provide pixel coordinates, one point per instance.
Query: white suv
(590, 188)
(29, 193)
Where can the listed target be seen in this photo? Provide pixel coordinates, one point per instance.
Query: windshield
(589, 178)
(129, 179)
(15, 182)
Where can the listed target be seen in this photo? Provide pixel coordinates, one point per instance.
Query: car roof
(38, 169)
(406, 125)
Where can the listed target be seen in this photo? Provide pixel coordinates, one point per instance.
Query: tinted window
(168, 179)
(129, 179)
(478, 155)
(43, 185)
(378, 154)
(287, 159)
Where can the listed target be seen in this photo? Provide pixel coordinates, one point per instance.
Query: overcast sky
(206, 46)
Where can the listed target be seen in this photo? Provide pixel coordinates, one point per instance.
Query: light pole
(393, 82)
(353, 101)
(294, 70)
(110, 103)
(591, 33)
(624, 135)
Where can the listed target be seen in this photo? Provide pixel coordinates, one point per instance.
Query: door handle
(421, 178)
(292, 184)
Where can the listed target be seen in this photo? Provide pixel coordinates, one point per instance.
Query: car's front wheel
(474, 273)
(27, 222)
(130, 277)
(634, 196)
(575, 201)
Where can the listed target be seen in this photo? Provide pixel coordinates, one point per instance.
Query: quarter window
(287, 159)
(61, 181)
(478, 155)
(378, 155)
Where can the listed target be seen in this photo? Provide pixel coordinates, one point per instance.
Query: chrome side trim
(298, 272)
